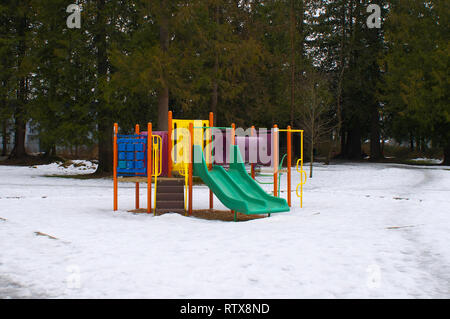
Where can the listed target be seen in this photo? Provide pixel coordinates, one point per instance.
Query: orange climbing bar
(137, 184)
(289, 161)
(149, 168)
(211, 124)
(116, 129)
(191, 144)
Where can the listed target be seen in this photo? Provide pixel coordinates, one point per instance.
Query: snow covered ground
(366, 231)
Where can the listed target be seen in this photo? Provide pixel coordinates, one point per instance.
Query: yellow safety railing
(300, 171)
(292, 131)
(302, 181)
(181, 147)
(156, 160)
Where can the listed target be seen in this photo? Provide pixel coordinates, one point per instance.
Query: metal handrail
(212, 127)
(279, 176)
(157, 160)
(302, 182)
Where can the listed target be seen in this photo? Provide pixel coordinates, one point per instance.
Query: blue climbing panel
(132, 153)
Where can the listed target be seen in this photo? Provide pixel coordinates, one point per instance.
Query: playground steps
(170, 195)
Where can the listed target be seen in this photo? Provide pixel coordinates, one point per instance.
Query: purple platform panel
(254, 149)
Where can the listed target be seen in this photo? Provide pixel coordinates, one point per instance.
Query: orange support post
(211, 124)
(289, 161)
(275, 160)
(116, 129)
(252, 133)
(233, 132)
(169, 145)
(149, 167)
(191, 144)
(137, 184)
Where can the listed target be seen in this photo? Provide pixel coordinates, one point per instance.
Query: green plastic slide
(235, 188)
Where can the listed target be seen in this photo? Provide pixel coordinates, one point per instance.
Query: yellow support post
(301, 172)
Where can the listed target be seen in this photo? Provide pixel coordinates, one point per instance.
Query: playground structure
(170, 159)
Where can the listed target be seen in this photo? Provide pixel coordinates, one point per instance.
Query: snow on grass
(425, 160)
(71, 167)
(366, 230)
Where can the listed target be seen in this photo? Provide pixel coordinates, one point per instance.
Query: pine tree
(416, 82)
(344, 47)
(105, 22)
(62, 81)
(6, 75)
(18, 21)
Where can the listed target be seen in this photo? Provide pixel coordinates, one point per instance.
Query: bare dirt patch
(223, 215)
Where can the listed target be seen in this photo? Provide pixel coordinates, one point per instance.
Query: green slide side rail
(239, 174)
(235, 188)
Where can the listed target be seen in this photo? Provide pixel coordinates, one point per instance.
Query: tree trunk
(296, 47)
(163, 92)
(49, 151)
(215, 96)
(311, 160)
(353, 146)
(313, 131)
(446, 155)
(4, 138)
(423, 145)
(163, 108)
(375, 147)
(215, 85)
(19, 139)
(343, 141)
(20, 118)
(105, 147)
(292, 39)
(104, 120)
(340, 131)
(292, 53)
